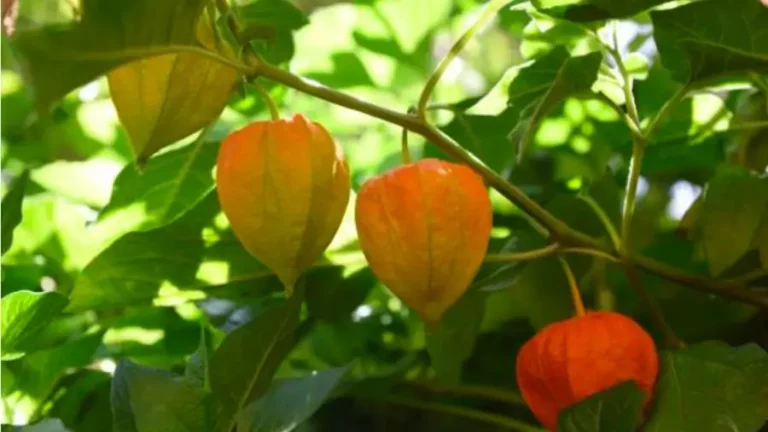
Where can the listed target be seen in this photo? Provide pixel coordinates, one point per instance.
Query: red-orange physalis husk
(424, 229)
(570, 360)
(284, 186)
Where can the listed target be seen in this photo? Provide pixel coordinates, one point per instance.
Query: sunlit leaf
(711, 384)
(290, 402)
(24, 315)
(88, 182)
(109, 34)
(700, 45)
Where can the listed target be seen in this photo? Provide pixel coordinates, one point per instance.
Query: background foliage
(127, 301)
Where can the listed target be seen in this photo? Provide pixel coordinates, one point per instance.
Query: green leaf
(11, 213)
(290, 402)
(540, 86)
(711, 384)
(451, 342)
(147, 400)
(133, 269)
(761, 241)
(734, 203)
(333, 297)
(617, 409)
(61, 58)
(24, 315)
(48, 425)
(198, 367)
(700, 45)
(410, 21)
(88, 182)
(170, 186)
(594, 10)
(245, 363)
(486, 136)
(163, 99)
(273, 21)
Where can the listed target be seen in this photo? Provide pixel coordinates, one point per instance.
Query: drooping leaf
(290, 402)
(451, 342)
(540, 86)
(61, 58)
(146, 399)
(245, 363)
(711, 384)
(710, 40)
(733, 206)
(170, 186)
(486, 136)
(11, 214)
(594, 10)
(614, 410)
(24, 315)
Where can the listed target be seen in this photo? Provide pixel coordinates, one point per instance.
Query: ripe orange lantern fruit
(284, 186)
(424, 229)
(570, 360)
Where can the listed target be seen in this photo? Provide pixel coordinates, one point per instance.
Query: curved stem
(471, 391)
(606, 221)
(593, 252)
(578, 303)
(488, 13)
(523, 256)
(404, 152)
(273, 112)
(626, 78)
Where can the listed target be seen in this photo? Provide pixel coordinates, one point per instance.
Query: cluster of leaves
(127, 301)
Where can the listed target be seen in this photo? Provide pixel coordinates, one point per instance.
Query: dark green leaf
(149, 400)
(486, 136)
(62, 58)
(614, 410)
(451, 342)
(172, 184)
(709, 40)
(594, 10)
(245, 363)
(761, 241)
(24, 315)
(290, 402)
(274, 21)
(332, 297)
(347, 71)
(198, 367)
(734, 203)
(539, 87)
(11, 213)
(711, 385)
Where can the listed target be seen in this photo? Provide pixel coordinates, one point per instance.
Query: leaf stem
(264, 94)
(471, 391)
(604, 219)
(524, 256)
(578, 303)
(593, 252)
(500, 421)
(489, 12)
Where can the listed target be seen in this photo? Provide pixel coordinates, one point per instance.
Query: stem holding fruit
(578, 303)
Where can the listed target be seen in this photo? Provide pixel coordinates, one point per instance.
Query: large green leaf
(170, 186)
(148, 400)
(709, 40)
(62, 58)
(24, 315)
(733, 206)
(711, 386)
(245, 363)
(333, 297)
(614, 410)
(542, 85)
(486, 136)
(594, 10)
(451, 342)
(11, 213)
(290, 402)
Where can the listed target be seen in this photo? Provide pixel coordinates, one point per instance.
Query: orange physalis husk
(284, 186)
(570, 360)
(424, 229)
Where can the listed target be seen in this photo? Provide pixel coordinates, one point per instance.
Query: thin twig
(523, 256)
(578, 303)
